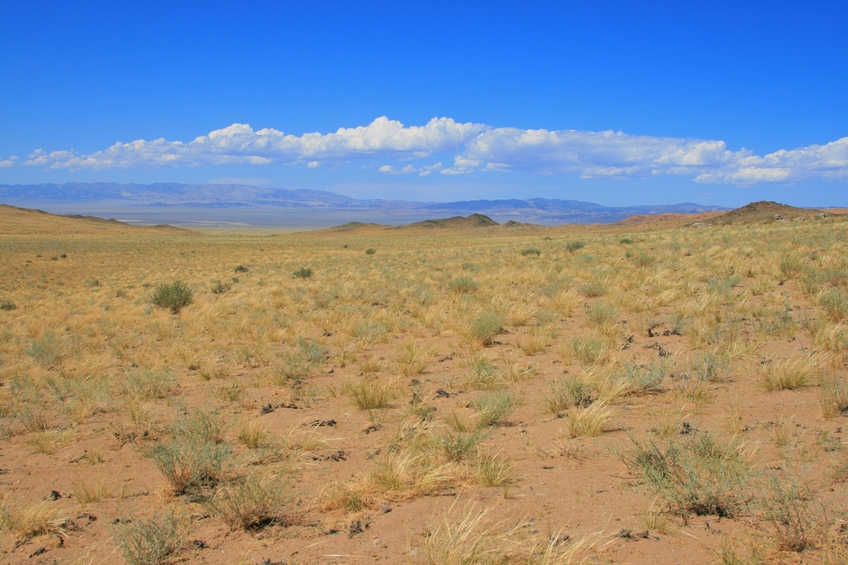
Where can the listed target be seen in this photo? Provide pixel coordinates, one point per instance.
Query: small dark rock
(267, 409)
(54, 495)
(88, 516)
(357, 527)
(373, 428)
(385, 508)
(199, 544)
(442, 393)
(321, 424)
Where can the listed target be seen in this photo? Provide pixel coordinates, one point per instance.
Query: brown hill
(456, 222)
(764, 212)
(25, 221)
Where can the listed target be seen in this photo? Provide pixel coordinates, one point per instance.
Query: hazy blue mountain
(169, 197)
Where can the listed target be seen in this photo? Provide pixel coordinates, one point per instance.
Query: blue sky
(611, 102)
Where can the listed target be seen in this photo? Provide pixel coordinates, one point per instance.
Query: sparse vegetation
(711, 363)
(173, 297)
(151, 541)
(194, 455)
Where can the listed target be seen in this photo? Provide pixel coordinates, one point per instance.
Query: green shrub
(567, 393)
(698, 475)
(371, 394)
(601, 313)
(456, 446)
(592, 290)
(298, 363)
(147, 384)
(530, 251)
(463, 285)
(835, 303)
(303, 273)
(7, 305)
(484, 372)
(833, 396)
(151, 541)
(174, 296)
(221, 287)
(642, 259)
(252, 502)
(241, 269)
(640, 379)
(369, 331)
(573, 246)
(800, 517)
(708, 367)
(370, 251)
(46, 350)
(194, 456)
(486, 326)
(588, 350)
(494, 407)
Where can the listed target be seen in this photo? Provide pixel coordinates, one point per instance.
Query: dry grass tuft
(591, 421)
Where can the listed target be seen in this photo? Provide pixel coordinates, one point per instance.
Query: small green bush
(174, 296)
(221, 288)
(46, 350)
(463, 285)
(7, 305)
(567, 393)
(592, 290)
(601, 313)
(151, 541)
(252, 502)
(699, 475)
(486, 326)
(194, 456)
(494, 407)
(573, 246)
(241, 269)
(146, 384)
(303, 273)
(641, 379)
(800, 516)
(370, 251)
(484, 373)
(588, 350)
(456, 446)
(835, 303)
(708, 367)
(531, 251)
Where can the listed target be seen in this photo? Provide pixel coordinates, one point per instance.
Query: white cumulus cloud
(473, 147)
(8, 162)
(239, 144)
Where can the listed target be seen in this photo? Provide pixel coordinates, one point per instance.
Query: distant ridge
(242, 203)
(25, 221)
(455, 222)
(765, 212)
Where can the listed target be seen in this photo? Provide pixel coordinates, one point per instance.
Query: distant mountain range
(203, 199)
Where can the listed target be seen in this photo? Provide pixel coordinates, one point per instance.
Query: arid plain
(664, 390)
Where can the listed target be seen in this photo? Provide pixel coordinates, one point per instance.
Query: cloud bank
(393, 148)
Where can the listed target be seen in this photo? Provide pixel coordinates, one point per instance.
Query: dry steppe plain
(650, 392)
